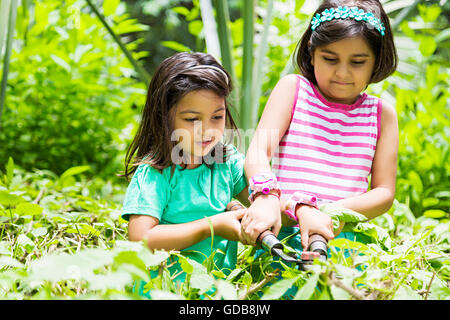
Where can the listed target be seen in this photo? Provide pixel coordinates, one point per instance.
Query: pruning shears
(317, 247)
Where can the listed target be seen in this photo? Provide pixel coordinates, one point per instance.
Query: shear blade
(279, 253)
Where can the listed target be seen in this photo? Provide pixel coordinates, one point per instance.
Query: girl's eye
(329, 59)
(358, 62)
(191, 119)
(218, 117)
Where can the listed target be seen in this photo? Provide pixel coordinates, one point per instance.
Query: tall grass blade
(258, 71)
(402, 15)
(225, 42)
(4, 13)
(142, 74)
(226, 53)
(210, 28)
(8, 50)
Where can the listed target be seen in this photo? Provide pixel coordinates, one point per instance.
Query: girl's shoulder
(295, 83)
(388, 111)
(145, 173)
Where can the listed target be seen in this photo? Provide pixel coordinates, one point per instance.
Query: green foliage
(70, 91)
(419, 92)
(62, 237)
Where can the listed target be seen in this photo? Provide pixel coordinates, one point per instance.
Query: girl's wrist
(273, 196)
(303, 209)
(217, 223)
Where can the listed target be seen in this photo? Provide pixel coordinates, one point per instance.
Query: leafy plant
(70, 91)
(62, 237)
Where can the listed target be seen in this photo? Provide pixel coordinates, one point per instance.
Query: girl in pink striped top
(330, 135)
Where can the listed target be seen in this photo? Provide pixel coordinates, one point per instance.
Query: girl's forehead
(348, 46)
(200, 101)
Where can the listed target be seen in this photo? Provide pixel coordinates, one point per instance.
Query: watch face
(261, 178)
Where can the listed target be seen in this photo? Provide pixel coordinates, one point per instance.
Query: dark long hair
(383, 47)
(171, 81)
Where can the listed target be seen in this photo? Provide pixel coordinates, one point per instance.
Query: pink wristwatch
(299, 198)
(264, 183)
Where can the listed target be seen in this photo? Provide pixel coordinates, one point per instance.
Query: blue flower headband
(346, 12)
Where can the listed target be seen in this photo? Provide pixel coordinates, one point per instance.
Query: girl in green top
(183, 175)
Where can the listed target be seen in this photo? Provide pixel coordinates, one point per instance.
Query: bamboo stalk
(142, 74)
(8, 50)
(247, 65)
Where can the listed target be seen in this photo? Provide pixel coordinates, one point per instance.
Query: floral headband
(345, 13)
(207, 66)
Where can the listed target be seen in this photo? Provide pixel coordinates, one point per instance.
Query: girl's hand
(263, 214)
(228, 225)
(312, 221)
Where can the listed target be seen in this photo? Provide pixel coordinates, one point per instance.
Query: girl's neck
(193, 162)
(348, 101)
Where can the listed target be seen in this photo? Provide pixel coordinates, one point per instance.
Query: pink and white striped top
(328, 148)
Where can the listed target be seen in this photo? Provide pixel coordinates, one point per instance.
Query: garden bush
(70, 90)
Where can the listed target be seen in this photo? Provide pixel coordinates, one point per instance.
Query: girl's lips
(205, 143)
(342, 83)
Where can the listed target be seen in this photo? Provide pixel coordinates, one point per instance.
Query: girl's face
(199, 124)
(343, 69)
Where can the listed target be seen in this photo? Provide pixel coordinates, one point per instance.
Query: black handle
(318, 243)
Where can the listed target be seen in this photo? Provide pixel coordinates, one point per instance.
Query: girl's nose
(342, 71)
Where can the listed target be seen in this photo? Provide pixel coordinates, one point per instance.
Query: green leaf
(26, 208)
(6, 261)
(427, 45)
(74, 171)
(406, 293)
(153, 259)
(110, 6)
(181, 10)
(344, 243)
(203, 282)
(10, 170)
(306, 291)
(195, 27)
(176, 46)
(429, 13)
(10, 200)
(246, 278)
(435, 213)
(185, 264)
(61, 62)
(39, 232)
(375, 232)
(276, 290)
(25, 242)
(226, 290)
(339, 214)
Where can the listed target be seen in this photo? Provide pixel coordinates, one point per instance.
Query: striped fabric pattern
(328, 148)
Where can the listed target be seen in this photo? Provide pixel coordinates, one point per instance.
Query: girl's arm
(384, 170)
(264, 213)
(183, 235)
